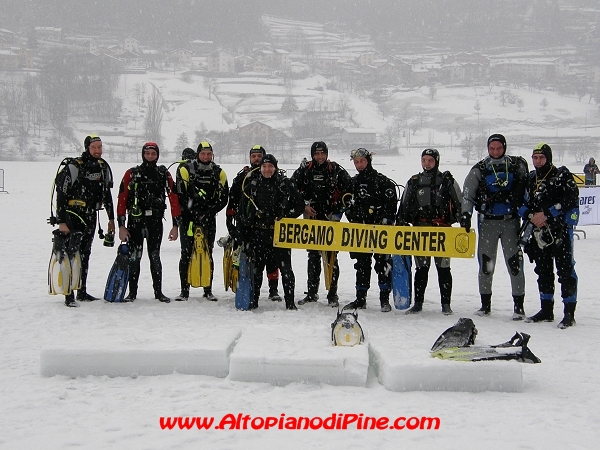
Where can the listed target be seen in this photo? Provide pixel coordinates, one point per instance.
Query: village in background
(304, 82)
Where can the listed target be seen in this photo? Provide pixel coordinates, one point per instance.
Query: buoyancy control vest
(265, 200)
(433, 199)
(319, 185)
(497, 189)
(82, 183)
(374, 198)
(556, 194)
(200, 185)
(148, 189)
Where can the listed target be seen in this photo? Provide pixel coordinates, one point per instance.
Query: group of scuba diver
(532, 212)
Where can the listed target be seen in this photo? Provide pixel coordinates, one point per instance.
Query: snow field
(558, 406)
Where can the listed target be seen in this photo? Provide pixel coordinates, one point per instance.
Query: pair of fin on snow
(199, 267)
(238, 272)
(456, 343)
(64, 269)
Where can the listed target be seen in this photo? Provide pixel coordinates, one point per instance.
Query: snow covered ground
(557, 408)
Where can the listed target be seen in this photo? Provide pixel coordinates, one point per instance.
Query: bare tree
(211, 86)
(403, 114)
(22, 140)
(385, 109)
(504, 96)
(343, 105)
(140, 94)
(520, 103)
(544, 103)
(595, 94)
(54, 145)
(468, 147)
(432, 91)
(390, 136)
(578, 150)
(421, 114)
(414, 126)
(581, 90)
(154, 117)
(477, 108)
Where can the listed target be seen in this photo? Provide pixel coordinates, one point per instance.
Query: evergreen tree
(289, 106)
(182, 142)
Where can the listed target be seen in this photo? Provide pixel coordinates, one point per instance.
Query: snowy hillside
(444, 121)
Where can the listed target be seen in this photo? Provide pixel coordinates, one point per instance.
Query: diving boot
(273, 293)
(83, 296)
(518, 312)
(569, 318)
(183, 297)
(332, 300)
(275, 297)
(360, 302)
(132, 295)
(70, 301)
(446, 310)
(162, 297)
(416, 308)
(310, 298)
(208, 295)
(384, 300)
(486, 306)
(445, 283)
(290, 305)
(546, 314)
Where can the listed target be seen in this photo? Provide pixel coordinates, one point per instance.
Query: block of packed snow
(205, 355)
(271, 354)
(408, 369)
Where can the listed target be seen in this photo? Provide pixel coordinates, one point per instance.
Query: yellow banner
(353, 237)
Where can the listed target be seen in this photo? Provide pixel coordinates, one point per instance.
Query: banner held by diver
(451, 242)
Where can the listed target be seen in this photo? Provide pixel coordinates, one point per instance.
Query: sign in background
(589, 211)
(354, 237)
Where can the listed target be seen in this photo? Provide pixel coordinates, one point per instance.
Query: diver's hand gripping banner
(354, 237)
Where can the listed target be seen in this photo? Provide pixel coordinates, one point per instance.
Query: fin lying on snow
(456, 343)
(461, 334)
(519, 351)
